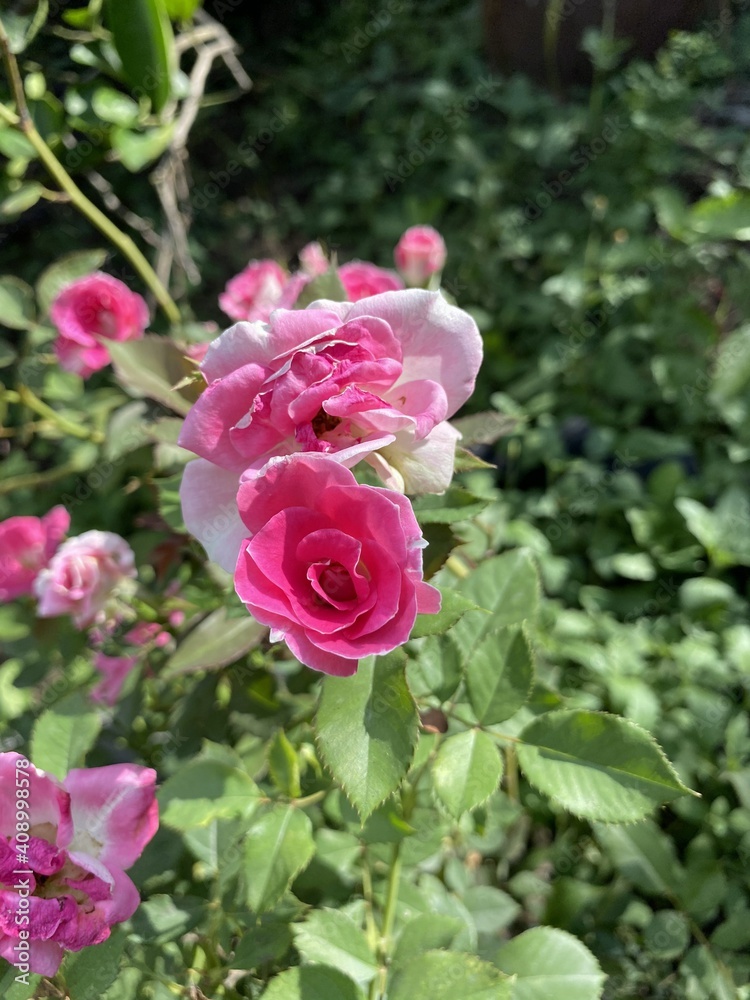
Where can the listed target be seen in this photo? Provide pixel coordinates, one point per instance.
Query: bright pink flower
(115, 671)
(82, 835)
(373, 380)
(419, 254)
(90, 311)
(362, 279)
(312, 260)
(255, 292)
(142, 633)
(333, 567)
(26, 546)
(83, 576)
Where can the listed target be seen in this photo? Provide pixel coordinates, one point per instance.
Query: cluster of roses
(84, 577)
(99, 307)
(332, 566)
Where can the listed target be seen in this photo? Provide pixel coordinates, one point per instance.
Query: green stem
(28, 398)
(87, 208)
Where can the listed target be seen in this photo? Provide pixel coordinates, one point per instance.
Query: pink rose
(419, 254)
(82, 835)
(312, 259)
(372, 380)
(255, 292)
(26, 546)
(333, 567)
(83, 575)
(90, 311)
(362, 279)
(115, 670)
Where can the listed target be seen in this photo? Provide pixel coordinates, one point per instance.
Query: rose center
(323, 422)
(336, 582)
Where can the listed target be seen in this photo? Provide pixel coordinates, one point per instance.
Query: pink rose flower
(115, 670)
(419, 254)
(26, 546)
(82, 835)
(83, 576)
(90, 311)
(362, 279)
(333, 567)
(372, 380)
(312, 259)
(255, 292)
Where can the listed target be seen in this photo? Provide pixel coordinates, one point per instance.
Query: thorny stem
(22, 121)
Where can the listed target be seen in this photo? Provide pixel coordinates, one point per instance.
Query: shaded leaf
(466, 771)
(278, 847)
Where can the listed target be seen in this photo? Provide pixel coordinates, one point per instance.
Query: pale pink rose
(255, 292)
(419, 254)
(362, 279)
(90, 311)
(83, 575)
(115, 670)
(373, 380)
(26, 546)
(82, 835)
(333, 567)
(312, 260)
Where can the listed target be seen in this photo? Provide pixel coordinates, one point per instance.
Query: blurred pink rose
(114, 671)
(312, 259)
(333, 567)
(419, 254)
(79, 838)
(255, 292)
(83, 575)
(373, 380)
(90, 311)
(26, 546)
(362, 279)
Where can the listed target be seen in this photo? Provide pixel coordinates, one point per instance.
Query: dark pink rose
(255, 292)
(80, 837)
(362, 279)
(83, 576)
(419, 254)
(333, 567)
(26, 546)
(89, 312)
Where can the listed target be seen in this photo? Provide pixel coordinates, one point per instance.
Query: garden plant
(374, 518)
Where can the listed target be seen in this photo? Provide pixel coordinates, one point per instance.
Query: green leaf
(138, 149)
(722, 217)
(165, 918)
(366, 729)
(65, 270)
(215, 642)
(150, 367)
(182, 10)
(500, 675)
(113, 106)
(283, 765)
(312, 982)
(11, 989)
(436, 670)
(204, 790)
(329, 937)
(90, 972)
(446, 975)
(22, 30)
(456, 504)
(491, 909)
(16, 303)
(551, 963)
(485, 428)
(508, 587)
(597, 766)
(142, 35)
(426, 932)
(466, 771)
(324, 286)
(263, 943)
(278, 847)
(64, 734)
(19, 201)
(644, 855)
(453, 607)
